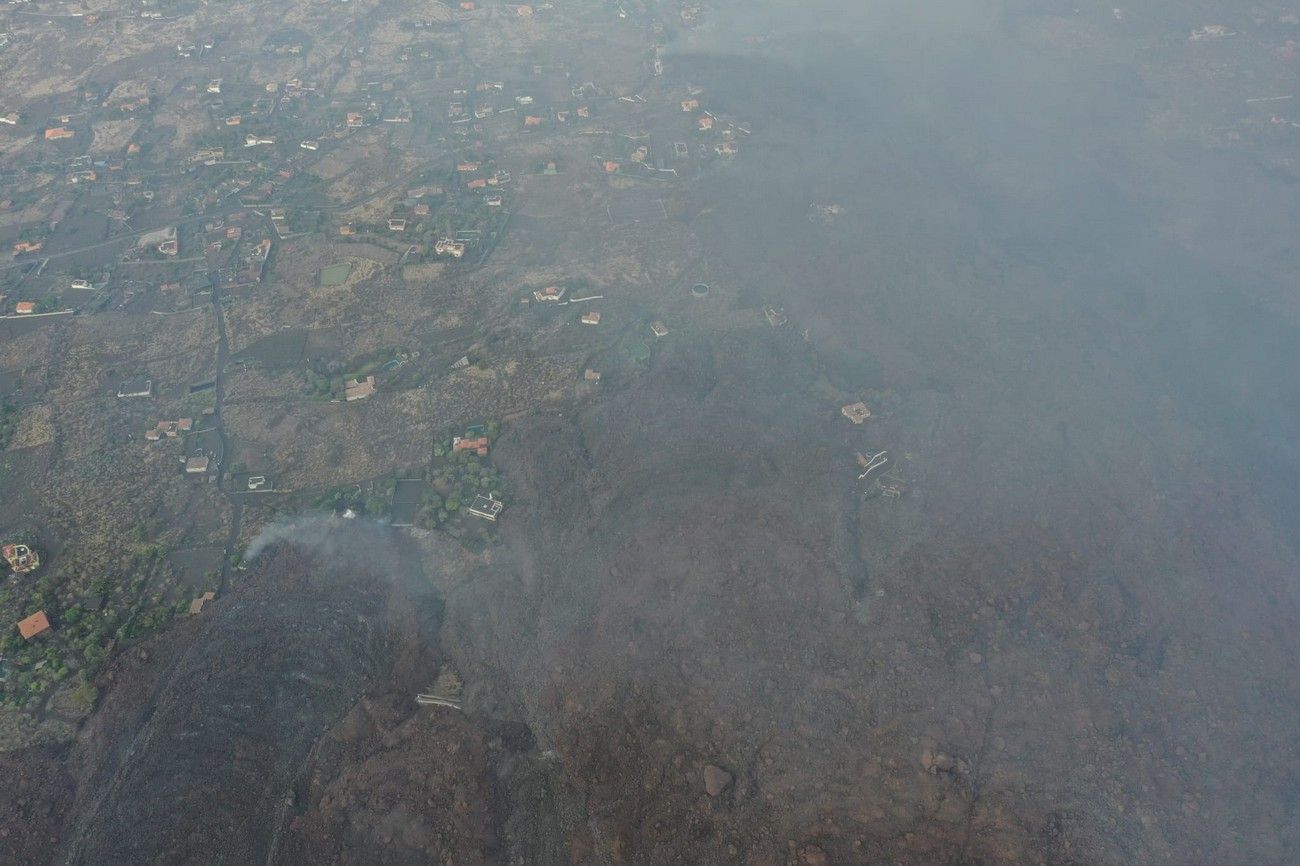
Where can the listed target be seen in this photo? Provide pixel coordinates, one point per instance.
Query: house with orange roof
(476, 444)
(33, 625)
(196, 605)
(24, 308)
(58, 133)
(170, 429)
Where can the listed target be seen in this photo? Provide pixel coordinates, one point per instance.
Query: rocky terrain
(699, 657)
(203, 733)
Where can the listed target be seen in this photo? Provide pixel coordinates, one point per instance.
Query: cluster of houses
(418, 204)
(480, 179)
(724, 134)
(475, 441)
(715, 133)
(22, 559)
(169, 429)
(485, 101)
(238, 249)
(239, 253)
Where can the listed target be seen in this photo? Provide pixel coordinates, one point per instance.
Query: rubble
(716, 780)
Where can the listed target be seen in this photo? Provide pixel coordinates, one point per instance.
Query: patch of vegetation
(455, 479)
(288, 40)
(326, 380)
(198, 401)
(373, 500)
(85, 627)
(8, 422)
(76, 701)
(474, 542)
(637, 350)
(335, 275)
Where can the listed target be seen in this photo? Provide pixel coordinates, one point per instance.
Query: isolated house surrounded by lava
(21, 558)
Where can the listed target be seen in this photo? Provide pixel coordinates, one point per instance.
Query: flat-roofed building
(135, 388)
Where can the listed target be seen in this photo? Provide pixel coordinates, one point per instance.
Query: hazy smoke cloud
(323, 533)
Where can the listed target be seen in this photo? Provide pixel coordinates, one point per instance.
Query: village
(318, 215)
(639, 431)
